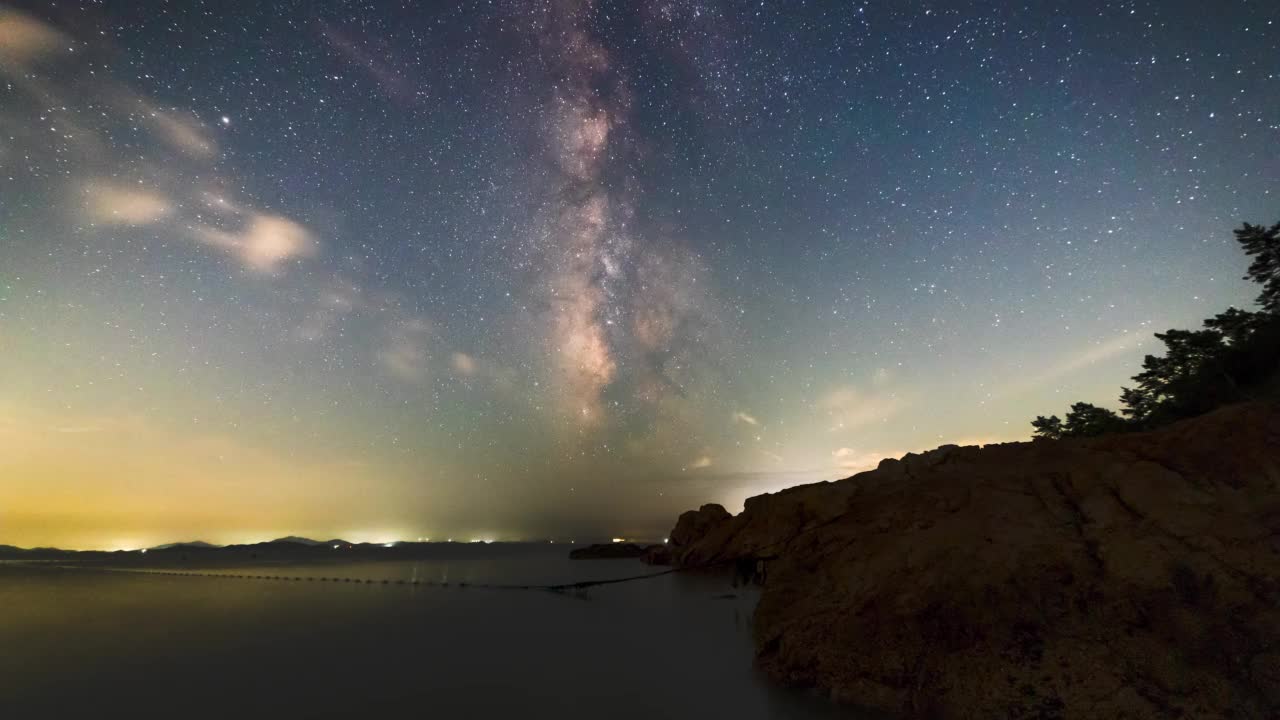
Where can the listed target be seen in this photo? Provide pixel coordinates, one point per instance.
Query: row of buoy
(305, 578)
(576, 586)
(301, 578)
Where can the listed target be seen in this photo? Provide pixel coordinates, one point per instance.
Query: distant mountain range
(283, 548)
(192, 544)
(9, 551)
(296, 539)
(286, 548)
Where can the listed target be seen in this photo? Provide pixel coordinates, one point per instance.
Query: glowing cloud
(851, 460)
(266, 243)
(463, 364)
(109, 203)
(63, 477)
(23, 39)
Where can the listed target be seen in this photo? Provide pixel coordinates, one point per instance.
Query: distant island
(654, 553)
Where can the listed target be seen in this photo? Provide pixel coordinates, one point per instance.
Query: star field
(564, 269)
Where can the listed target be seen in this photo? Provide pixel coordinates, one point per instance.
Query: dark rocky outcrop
(657, 555)
(607, 551)
(695, 524)
(651, 554)
(1128, 576)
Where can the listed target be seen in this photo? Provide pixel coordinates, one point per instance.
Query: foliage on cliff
(1234, 357)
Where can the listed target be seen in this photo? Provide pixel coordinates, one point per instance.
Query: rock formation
(656, 555)
(1129, 576)
(608, 551)
(694, 524)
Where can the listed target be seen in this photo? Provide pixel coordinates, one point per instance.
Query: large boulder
(693, 526)
(1129, 576)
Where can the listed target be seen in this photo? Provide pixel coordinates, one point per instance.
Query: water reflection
(76, 642)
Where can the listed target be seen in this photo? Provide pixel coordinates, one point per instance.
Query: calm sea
(77, 643)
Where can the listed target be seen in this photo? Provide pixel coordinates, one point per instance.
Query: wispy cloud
(387, 74)
(850, 408)
(405, 353)
(114, 203)
(173, 182)
(1125, 342)
(475, 369)
(331, 307)
(183, 132)
(23, 39)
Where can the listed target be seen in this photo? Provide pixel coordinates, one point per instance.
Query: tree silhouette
(1236, 354)
(1263, 245)
(1137, 404)
(1086, 420)
(1176, 384)
(1047, 427)
(1235, 325)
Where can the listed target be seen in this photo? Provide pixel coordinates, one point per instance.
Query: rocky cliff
(1130, 576)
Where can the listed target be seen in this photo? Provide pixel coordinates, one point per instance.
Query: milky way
(564, 269)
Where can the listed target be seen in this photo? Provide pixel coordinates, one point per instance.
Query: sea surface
(98, 643)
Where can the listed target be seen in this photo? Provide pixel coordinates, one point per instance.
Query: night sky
(515, 270)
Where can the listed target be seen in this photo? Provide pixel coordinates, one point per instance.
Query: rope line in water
(561, 587)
